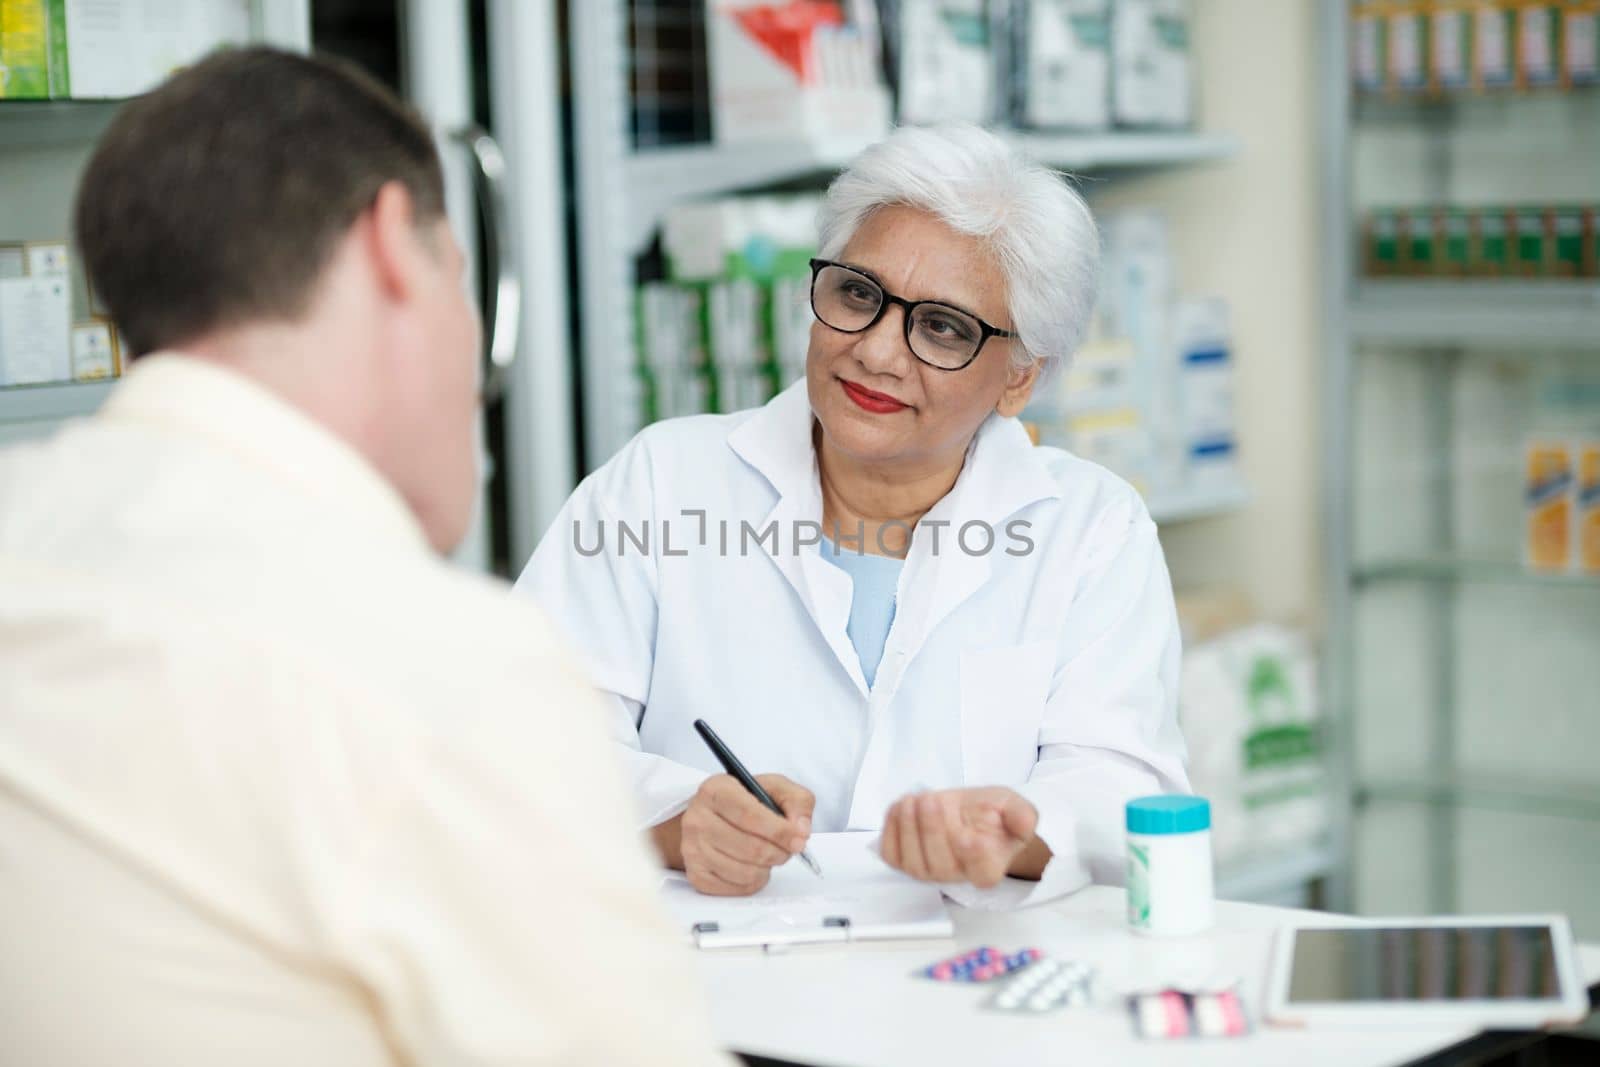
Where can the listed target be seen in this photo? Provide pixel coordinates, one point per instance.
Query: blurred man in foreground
(277, 786)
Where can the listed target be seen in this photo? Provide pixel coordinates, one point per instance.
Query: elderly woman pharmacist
(875, 588)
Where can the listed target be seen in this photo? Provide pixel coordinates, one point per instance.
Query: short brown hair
(218, 198)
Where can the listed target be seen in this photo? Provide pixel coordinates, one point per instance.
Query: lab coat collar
(776, 441)
(1003, 472)
(228, 410)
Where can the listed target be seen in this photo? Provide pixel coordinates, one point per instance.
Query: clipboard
(711, 934)
(860, 898)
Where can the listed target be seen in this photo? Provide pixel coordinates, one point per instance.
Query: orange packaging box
(1548, 505)
(1588, 517)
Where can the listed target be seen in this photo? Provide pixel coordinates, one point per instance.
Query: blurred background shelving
(1462, 626)
(1460, 312)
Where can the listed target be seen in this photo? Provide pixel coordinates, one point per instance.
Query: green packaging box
(1494, 242)
(1383, 243)
(1457, 227)
(1533, 240)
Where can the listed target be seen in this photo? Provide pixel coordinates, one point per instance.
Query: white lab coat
(1053, 670)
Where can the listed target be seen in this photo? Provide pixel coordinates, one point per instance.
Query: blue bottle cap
(1170, 814)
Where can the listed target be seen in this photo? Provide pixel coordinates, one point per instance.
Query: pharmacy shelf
(658, 178)
(1461, 569)
(1444, 312)
(1414, 108)
(1125, 150)
(47, 123)
(1270, 876)
(1186, 504)
(1524, 796)
(45, 403)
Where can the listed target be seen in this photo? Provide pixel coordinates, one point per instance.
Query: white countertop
(858, 1005)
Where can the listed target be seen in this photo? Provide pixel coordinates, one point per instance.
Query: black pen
(731, 764)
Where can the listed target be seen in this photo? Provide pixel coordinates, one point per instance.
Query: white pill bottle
(1169, 865)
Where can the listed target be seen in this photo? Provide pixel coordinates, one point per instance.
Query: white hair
(1036, 226)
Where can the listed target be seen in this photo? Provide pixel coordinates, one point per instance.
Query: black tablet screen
(1424, 963)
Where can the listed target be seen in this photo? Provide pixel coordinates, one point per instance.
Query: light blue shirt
(873, 582)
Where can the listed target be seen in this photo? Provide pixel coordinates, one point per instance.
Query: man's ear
(394, 241)
(1019, 387)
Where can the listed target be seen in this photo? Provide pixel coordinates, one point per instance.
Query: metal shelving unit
(49, 403)
(37, 123)
(661, 177)
(658, 178)
(1125, 150)
(1488, 791)
(1467, 569)
(1423, 602)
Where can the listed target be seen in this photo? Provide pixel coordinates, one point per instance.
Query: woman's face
(876, 402)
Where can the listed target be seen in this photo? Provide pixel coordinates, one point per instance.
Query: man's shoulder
(436, 611)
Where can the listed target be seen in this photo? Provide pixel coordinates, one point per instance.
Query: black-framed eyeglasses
(850, 301)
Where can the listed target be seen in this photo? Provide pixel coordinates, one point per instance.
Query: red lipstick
(867, 400)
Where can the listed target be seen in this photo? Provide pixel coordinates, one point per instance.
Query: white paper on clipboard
(859, 898)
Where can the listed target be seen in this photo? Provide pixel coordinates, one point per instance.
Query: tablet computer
(1513, 972)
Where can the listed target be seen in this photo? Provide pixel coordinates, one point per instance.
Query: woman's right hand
(727, 842)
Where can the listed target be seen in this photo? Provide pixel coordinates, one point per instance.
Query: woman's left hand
(963, 835)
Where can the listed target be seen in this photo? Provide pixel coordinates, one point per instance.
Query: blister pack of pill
(1047, 985)
(1171, 1014)
(979, 965)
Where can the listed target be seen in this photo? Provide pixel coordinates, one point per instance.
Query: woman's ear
(1019, 387)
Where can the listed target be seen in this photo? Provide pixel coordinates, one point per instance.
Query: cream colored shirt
(279, 787)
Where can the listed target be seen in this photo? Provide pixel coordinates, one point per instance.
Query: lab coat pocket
(1003, 693)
